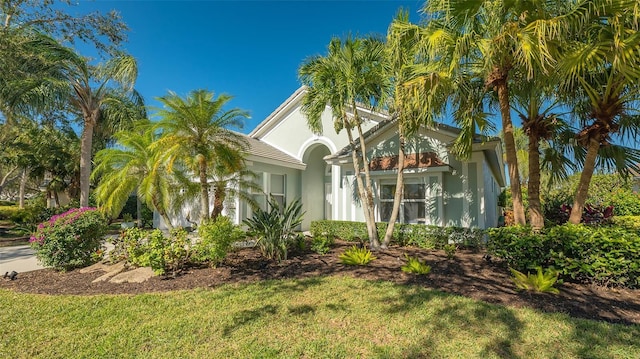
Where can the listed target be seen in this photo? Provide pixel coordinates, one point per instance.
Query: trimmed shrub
(216, 237)
(606, 255)
(629, 222)
(519, 247)
(69, 240)
(419, 235)
(153, 249)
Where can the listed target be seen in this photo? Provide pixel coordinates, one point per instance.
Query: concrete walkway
(19, 259)
(23, 258)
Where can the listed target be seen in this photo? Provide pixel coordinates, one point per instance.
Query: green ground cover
(312, 318)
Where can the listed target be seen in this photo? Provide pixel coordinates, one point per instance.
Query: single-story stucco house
(292, 162)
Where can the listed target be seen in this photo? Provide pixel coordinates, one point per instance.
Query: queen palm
(491, 40)
(196, 134)
(133, 166)
(105, 98)
(601, 73)
(351, 74)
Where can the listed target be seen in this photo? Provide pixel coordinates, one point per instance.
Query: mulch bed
(469, 275)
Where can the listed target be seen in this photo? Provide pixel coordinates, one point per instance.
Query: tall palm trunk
(510, 148)
(397, 197)
(368, 191)
(585, 179)
(374, 242)
(533, 188)
(204, 189)
(219, 191)
(86, 142)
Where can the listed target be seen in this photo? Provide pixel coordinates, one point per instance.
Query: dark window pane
(414, 212)
(414, 191)
(387, 191)
(385, 211)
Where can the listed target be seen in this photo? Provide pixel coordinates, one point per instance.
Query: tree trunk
(85, 156)
(204, 190)
(368, 190)
(397, 197)
(372, 231)
(155, 201)
(139, 210)
(510, 149)
(218, 200)
(23, 185)
(533, 188)
(585, 180)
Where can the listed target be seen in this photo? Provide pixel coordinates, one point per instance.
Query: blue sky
(249, 49)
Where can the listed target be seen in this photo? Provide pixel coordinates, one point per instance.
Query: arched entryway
(316, 185)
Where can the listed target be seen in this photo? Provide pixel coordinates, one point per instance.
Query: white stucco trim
(465, 220)
(335, 182)
(440, 197)
(315, 140)
(344, 198)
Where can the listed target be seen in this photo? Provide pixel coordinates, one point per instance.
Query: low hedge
(420, 235)
(606, 255)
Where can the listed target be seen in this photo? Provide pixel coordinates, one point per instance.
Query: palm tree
(491, 40)
(351, 74)
(196, 134)
(541, 119)
(131, 166)
(419, 95)
(601, 78)
(102, 105)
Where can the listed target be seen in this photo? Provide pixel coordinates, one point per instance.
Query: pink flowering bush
(71, 239)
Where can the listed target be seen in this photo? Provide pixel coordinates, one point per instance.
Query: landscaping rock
(111, 271)
(137, 275)
(98, 267)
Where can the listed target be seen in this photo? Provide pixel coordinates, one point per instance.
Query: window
(412, 207)
(277, 188)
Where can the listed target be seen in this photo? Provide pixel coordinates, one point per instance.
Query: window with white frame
(277, 188)
(413, 205)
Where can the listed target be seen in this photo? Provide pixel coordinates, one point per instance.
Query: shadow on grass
(498, 325)
(248, 316)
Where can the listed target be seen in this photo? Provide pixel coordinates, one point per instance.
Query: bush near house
(420, 235)
(216, 237)
(69, 240)
(153, 249)
(605, 255)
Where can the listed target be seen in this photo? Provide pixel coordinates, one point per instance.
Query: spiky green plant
(541, 282)
(275, 228)
(355, 256)
(415, 265)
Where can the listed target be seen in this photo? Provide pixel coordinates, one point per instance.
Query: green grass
(311, 318)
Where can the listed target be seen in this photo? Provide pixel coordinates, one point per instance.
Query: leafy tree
(133, 165)
(600, 71)
(105, 31)
(351, 74)
(196, 134)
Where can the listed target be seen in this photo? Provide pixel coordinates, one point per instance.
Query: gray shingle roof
(261, 149)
